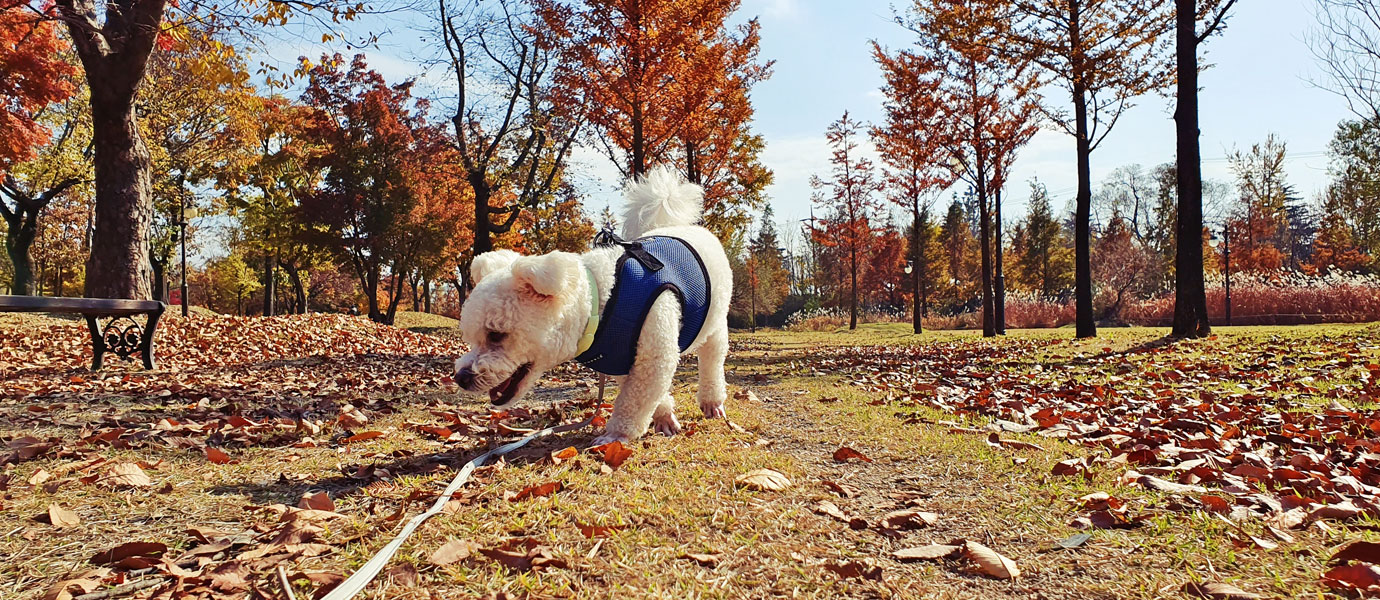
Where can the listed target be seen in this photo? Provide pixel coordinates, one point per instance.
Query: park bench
(121, 335)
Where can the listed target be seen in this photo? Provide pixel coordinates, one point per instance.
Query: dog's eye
(497, 337)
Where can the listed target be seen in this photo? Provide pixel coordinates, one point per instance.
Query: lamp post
(187, 213)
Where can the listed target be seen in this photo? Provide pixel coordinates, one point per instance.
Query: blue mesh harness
(648, 267)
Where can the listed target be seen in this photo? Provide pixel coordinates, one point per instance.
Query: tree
(1190, 293)
(513, 150)
(987, 109)
(766, 267)
(1103, 53)
(558, 223)
(1352, 199)
(368, 131)
(911, 151)
(115, 49)
(961, 268)
(1347, 43)
(1045, 265)
(37, 74)
(58, 170)
(1120, 267)
(849, 193)
(1259, 227)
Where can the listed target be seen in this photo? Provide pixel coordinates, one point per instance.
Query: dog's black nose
(464, 378)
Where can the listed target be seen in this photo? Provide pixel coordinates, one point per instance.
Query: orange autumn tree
(665, 80)
(986, 107)
(912, 153)
(849, 196)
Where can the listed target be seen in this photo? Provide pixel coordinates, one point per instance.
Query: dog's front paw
(667, 425)
(713, 411)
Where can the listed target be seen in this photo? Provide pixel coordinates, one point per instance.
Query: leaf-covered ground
(941, 466)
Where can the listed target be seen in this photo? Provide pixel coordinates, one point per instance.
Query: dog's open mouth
(506, 389)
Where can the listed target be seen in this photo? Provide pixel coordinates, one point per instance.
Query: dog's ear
(491, 262)
(548, 275)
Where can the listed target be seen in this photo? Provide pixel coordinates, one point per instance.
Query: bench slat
(84, 306)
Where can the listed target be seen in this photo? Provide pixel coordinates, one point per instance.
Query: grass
(677, 496)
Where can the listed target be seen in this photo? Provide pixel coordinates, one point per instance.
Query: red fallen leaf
(217, 456)
(441, 433)
(1359, 576)
(565, 454)
(844, 453)
(1070, 467)
(855, 570)
(614, 453)
(535, 491)
(127, 550)
(1360, 551)
(362, 437)
(594, 531)
(1216, 504)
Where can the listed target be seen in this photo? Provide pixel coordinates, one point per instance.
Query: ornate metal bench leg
(97, 342)
(146, 344)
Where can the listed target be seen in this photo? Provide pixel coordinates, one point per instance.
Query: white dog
(528, 314)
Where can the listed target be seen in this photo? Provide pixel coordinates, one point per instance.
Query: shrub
(1276, 299)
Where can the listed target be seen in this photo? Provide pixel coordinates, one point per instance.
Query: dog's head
(522, 318)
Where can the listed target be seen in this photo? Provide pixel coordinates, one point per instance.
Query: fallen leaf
(403, 574)
(217, 456)
(909, 519)
(847, 491)
(705, 560)
(855, 570)
(930, 552)
(534, 491)
(567, 453)
(127, 474)
(362, 437)
(126, 550)
(1361, 551)
(614, 453)
(83, 583)
(452, 552)
(989, 562)
(594, 531)
(844, 454)
(61, 517)
(1358, 576)
(317, 501)
(1218, 591)
(764, 479)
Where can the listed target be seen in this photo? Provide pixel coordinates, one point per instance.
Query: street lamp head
(909, 268)
(191, 212)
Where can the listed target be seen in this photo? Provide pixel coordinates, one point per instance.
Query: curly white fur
(531, 311)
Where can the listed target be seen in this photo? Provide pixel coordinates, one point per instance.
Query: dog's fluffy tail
(661, 198)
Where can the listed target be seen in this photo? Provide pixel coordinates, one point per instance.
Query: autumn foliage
(37, 72)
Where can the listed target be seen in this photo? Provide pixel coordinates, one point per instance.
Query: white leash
(361, 578)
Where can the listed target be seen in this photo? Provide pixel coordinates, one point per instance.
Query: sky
(1260, 82)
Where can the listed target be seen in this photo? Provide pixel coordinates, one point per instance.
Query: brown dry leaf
(909, 519)
(217, 456)
(39, 477)
(614, 453)
(847, 491)
(764, 480)
(83, 583)
(1218, 591)
(128, 549)
(989, 562)
(533, 491)
(403, 574)
(1360, 551)
(61, 517)
(523, 555)
(598, 531)
(828, 508)
(452, 552)
(855, 570)
(705, 560)
(844, 454)
(929, 552)
(127, 474)
(362, 437)
(318, 501)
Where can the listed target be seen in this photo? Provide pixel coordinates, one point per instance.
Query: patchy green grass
(676, 497)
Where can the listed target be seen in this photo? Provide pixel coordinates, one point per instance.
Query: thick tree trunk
(270, 284)
(1190, 294)
(482, 240)
(19, 241)
(998, 277)
(299, 290)
(119, 265)
(426, 296)
(371, 288)
(1082, 226)
(393, 299)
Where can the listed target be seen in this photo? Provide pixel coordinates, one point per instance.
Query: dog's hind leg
(648, 384)
(713, 389)
(664, 418)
